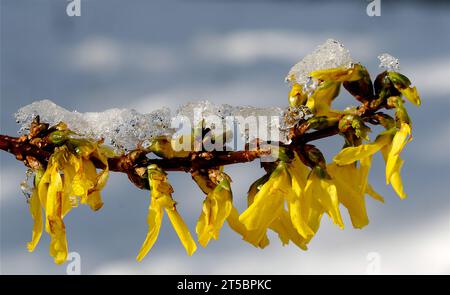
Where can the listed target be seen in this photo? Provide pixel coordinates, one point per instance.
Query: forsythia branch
(27, 149)
(298, 189)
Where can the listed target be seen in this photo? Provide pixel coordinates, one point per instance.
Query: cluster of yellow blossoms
(290, 199)
(69, 179)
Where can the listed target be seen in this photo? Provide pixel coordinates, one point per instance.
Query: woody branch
(34, 150)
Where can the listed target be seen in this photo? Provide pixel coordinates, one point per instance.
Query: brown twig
(26, 149)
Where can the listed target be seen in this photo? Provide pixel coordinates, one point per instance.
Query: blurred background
(148, 54)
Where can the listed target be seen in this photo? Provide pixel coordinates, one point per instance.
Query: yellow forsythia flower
(391, 155)
(68, 175)
(216, 208)
(267, 197)
(391, 143)
(328, 89)
(267, 204)
(352, 185)
(325, 192)
(320, 100)
(297, 204)
(161, 198)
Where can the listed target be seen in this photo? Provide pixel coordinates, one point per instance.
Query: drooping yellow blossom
(268, 202)
(391, 155)
(300, 215)
(391, 143)
(320, 100)
(68, 175)
(267, 198)
(324, 191)
(56, 206)
(352, 185)
(216, 208)
(352, 154)
(161, 198)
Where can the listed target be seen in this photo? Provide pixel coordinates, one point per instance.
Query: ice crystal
(389, 62)
(331, 54)
(125, 129)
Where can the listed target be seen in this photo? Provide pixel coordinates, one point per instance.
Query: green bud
(314, 156)
(321, 172)
(58, 137)
(384, 88)
(284, 154)
(361, 129)
(37, 177)
(345, 123)
(296, 96)
(399, 80)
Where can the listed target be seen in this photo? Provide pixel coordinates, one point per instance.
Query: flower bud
(361, 89)
(58, 137)
(296, 96)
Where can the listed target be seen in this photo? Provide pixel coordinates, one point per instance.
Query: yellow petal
(286, 232)
(338, 74)
(93, 182)
(364, 168)
(326, 194)
(320, 101)
(43, 186)
(54, 194)
(395, 178)
(161, 191)
(398, 143)
(313, 212)
(215, 211)
(94, 200)
(58, 241)
(411, 94)
(36, 214)
(154, 219)
(182, 230)
(268, 201)
(203, 223)
(299, 173)
(55, 225)
(348, 183)
(371, 192)
(67, 202)
(351, 154)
